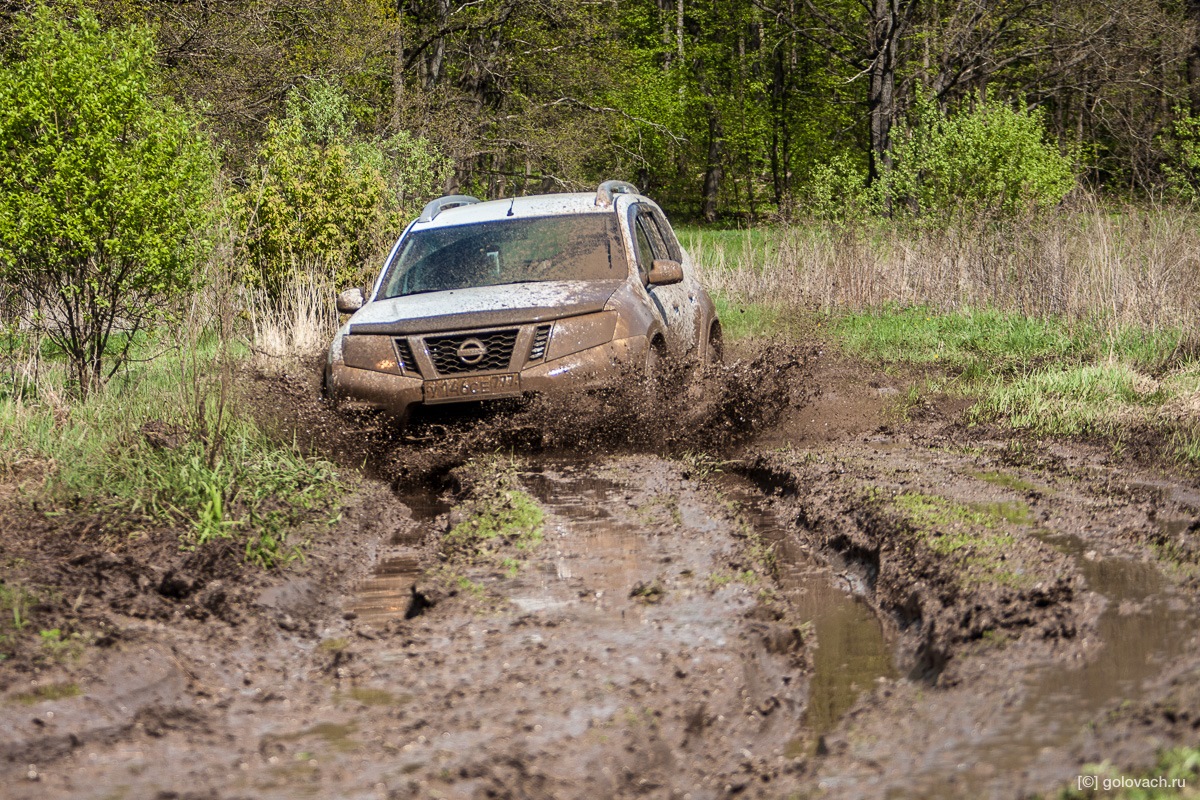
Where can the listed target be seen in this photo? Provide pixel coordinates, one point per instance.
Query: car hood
(482, 307)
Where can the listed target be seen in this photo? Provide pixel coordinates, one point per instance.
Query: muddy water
(1144, 626)
(851, 653)
(594, 546)
(388, 593)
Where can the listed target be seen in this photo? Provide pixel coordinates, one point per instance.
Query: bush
(1182, 149)
(989, 160)
(326, 197)
(105, 192)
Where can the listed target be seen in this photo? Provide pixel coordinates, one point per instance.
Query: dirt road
(834, 596)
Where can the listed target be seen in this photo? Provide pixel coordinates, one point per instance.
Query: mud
(777, 580)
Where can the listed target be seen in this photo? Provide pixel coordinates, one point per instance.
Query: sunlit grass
(163, 444)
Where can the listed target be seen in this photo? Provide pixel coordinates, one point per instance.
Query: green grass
(750, 321)
(1041, 375)
(1178, 768)
(499, 514)
(975, 533)
(1082, 399)
(990, 342)
(1005, 480)
(726, 247)
(50, 691)
(211, 473)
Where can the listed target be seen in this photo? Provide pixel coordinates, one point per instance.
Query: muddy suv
(482, 300)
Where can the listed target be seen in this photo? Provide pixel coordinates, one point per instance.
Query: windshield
(580, 247)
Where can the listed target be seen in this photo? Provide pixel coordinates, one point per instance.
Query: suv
(482, 300)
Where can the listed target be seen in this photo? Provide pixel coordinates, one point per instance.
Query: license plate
(450, 389)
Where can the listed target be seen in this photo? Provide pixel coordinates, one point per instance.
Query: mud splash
(692, 410)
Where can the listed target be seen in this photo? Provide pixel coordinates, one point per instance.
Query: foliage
(989, 158)
(122, 451)
(986, 159)
(104, 198)
(326, 196)
(1181, 147)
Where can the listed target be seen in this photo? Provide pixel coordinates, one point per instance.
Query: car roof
(540, 205)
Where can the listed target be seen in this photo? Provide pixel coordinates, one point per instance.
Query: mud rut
(680, 631)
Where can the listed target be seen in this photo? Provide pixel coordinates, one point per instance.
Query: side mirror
(351, 300)
(664, 272)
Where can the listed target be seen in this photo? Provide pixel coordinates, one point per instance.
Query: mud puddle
(1020, 738)
(388, 593)
(1144, 626)
(852, 654)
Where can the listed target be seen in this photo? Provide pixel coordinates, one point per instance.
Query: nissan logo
(471, 351)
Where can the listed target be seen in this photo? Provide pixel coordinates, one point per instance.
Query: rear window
(581, 247)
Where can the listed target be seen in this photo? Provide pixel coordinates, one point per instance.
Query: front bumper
(593, 368)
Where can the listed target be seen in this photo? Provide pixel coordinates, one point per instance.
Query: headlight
(376, 353)
(573, 334)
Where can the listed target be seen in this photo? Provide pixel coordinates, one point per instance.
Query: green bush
(1181, 146)
(105, 191)
(121, 451)
(989, 160)
(327, 198)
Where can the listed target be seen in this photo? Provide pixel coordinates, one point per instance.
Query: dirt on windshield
(783, 580)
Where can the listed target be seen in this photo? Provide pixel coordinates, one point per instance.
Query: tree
(326, 197)
(106, 189)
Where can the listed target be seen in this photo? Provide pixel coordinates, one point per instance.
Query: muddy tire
(714, 350)
(654, 372)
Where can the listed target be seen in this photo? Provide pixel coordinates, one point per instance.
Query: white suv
(481, 300)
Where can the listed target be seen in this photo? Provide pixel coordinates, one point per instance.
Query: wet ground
(825, 595)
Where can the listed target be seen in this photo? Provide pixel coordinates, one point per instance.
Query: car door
(671, 301)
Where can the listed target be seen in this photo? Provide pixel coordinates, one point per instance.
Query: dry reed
(1131, 267)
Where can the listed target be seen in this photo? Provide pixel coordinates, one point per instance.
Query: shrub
(987, 160)
(1181, 146)
(105, 192)
(327, 197)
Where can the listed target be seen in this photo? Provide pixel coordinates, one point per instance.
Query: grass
(1005, 480)
(165, 444)
(1086, 321)
(499, 515)
(50, 691)
(975, 533)
(1177, 769)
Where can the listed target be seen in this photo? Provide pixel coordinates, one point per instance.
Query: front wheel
(714, 351)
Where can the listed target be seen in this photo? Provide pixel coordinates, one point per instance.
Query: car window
(574, 247)
(645, 250)
(666, 235)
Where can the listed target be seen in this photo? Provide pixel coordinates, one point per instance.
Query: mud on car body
(483, 300)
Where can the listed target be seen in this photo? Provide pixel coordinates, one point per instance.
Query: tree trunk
(713, 172)
(398, 74)
(1193, 60)
(881, 91)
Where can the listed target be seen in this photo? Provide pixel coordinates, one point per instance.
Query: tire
(714, 351)
(653, 372)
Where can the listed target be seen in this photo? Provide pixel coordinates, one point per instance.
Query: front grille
(497, 350)
(541, 338)
(404, 356)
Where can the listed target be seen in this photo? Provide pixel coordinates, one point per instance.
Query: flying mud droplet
(683, 409)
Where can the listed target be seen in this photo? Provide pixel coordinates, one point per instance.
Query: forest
(733, 111)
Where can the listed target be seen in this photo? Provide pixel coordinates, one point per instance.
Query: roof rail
(434, 207)
(606, 190)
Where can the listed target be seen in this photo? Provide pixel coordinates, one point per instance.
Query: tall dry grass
(1134, 266)
(299, 323)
